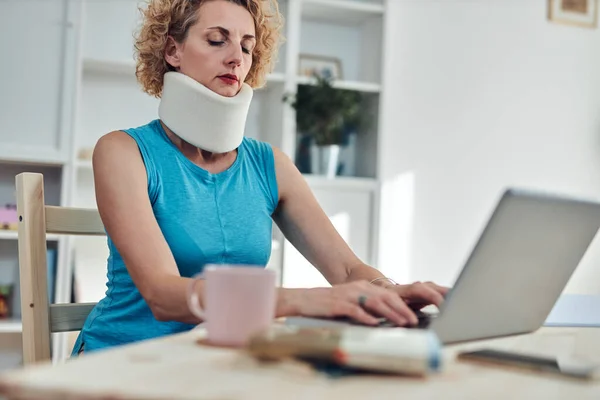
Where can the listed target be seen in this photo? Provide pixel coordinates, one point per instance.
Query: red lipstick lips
(229, 79)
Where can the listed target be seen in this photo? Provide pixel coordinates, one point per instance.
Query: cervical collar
(202, 117)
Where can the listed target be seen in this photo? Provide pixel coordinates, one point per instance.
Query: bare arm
(307, 227)
(125, 209)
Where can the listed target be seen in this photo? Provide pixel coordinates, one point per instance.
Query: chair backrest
(36, 219)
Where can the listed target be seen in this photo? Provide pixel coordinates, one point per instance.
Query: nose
(234, 58)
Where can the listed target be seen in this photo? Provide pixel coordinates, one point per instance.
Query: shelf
(84, 164)
(14, 235)
(276, 77)
(124, 67)
(346, 12)
(29, 159)
(127, 67)
(10, 326)
(341, 182)
(365, 87)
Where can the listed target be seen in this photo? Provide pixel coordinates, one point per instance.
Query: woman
(188, 189)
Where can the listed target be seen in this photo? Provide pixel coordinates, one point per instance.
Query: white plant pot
(325, 159)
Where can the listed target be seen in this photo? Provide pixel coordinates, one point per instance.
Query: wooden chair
(36, 219)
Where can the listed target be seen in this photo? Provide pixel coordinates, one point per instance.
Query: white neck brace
(201, 117)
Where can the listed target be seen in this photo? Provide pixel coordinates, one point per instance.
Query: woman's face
(218, 49)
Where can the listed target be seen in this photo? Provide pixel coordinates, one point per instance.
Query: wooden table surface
(177, 367)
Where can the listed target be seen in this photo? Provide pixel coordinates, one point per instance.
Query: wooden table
(177, 367)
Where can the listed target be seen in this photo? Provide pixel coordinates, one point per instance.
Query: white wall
(480, 95)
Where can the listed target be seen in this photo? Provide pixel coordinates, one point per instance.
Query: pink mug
(238, 302)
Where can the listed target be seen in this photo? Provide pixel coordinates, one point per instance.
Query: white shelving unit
(83, 165)
(8, 235)
(366, 87)
(344, 12)
(13, 235)
(89, 75)
(10, 325)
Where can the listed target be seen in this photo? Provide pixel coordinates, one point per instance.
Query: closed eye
(218, 43)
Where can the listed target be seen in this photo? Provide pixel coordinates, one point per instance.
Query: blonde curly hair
(164, 18)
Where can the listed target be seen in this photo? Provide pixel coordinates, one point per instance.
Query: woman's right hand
(345, 300)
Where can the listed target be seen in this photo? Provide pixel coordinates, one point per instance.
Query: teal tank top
(206, 218)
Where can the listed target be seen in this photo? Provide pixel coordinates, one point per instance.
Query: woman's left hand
(420, 294)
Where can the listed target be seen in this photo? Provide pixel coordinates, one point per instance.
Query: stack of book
(391, 351)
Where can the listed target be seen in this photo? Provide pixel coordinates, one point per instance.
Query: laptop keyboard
(424, 321)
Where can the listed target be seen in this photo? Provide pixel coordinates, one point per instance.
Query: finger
(422, 292)
(354, 311)
(400, 307)
(393, 300)
(379, 306)
(443, 290)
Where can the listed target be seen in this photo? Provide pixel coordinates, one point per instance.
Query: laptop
(521, 263)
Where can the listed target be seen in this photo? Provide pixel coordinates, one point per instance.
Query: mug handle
(194, 300)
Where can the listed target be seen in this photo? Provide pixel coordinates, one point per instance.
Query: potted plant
(326, 115)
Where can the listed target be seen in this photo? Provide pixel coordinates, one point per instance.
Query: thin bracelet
(379, 279)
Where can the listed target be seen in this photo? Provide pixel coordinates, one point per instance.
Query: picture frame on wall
(326, 67)
(582, 13)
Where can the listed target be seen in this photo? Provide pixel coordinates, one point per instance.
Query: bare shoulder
(117, 146)
(116, 154)
(117, 141)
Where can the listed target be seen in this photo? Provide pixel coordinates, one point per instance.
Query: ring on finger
(362, 299)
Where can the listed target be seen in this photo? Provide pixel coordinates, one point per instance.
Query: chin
(225, 90)
(228, 91)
